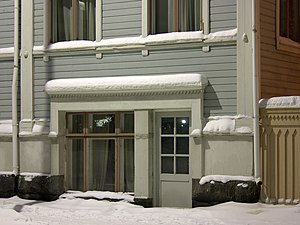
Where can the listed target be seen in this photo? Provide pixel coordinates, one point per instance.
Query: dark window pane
(182, 165)
(127, 122)
(167, 165)
(101, 165)
(182, 145)
(167, 125)
(127, 162)
(167, 145)
(182, 125)
(102, 123)
(75, 123)
(76, 164)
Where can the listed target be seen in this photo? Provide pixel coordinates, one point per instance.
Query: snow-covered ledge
(126, 43)
(127, 86)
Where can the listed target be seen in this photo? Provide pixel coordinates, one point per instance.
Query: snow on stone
(5, 127)
(126, 83)
(98, 195)
(280, 102)
(224, 178)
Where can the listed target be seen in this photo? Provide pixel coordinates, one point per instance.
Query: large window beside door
(100, 151)
(72, 20)
(288, 25)
(175, 16)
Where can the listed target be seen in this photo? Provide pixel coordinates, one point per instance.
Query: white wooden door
(173, 145)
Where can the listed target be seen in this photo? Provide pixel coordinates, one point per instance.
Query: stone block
(8, 185)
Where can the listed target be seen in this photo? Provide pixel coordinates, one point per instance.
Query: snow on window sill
(139, 42)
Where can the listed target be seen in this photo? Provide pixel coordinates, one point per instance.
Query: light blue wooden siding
(6, 23)
(6, 74)
(122, 18)
(38, 22)
(219, 66)
(223, 15)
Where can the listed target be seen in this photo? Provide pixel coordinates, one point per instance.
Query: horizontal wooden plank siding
(279, 70)
(6, 74)
(6, 23)
(38, 22)
(121, 18)
(223, 15)
(219, 65)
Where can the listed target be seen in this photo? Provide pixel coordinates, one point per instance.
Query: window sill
(288, 45)
(176, 39)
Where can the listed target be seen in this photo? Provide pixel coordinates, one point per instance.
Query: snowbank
(280, 102)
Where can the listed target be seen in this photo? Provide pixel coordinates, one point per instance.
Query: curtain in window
(189, 15)
(86, 20)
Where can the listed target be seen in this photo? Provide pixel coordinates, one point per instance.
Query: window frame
(48, 22)
(284, 43)
(147, 20)
(86, 136)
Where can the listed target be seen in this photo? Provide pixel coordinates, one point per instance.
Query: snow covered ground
(70, 209)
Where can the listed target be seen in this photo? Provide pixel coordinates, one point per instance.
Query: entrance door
(173, 146)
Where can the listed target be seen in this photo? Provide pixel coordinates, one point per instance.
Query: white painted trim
(145, 18)
(98, 20)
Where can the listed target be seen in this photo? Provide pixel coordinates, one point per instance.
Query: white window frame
(47, 22)
(146, 17)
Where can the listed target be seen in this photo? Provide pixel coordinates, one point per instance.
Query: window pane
(167, 125)
(127, 164)
(189, 15)
(75, 123)
(167, 145)
(76, 164)
(127, 122)
(283, 18)
(182, 145)
(86, 19)
(182, 125)
(160, 14)
(182, 165)
(101, 123)
(167, 165)
(101, 166)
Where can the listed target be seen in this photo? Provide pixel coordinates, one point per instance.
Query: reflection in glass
(101, 168)
(167, 145)
(127, 122)
(75, 164)
(101, 123)
(182, 145)
(167, 165)
(182, 125)
(75, 123)
(127, 165)
(182, 165)
(167, 125)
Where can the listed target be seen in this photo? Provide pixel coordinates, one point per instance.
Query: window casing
(100, 151)
(175, 16)
(288, 25)
(72, 20)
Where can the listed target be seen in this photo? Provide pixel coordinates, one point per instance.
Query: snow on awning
(280, 102)
(127, 84)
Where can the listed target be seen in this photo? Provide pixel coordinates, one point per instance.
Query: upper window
(288, 26)
(72, 20)
(175, 16)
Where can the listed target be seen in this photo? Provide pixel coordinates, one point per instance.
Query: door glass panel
(167, 125)
(127, 164)
(167, 145)
(167, 164)
(182, 125)
(182, 165)
(101, 169)
(102, 123)
(76, 164)
(127, 122)
(182, 145)
(75, 123)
